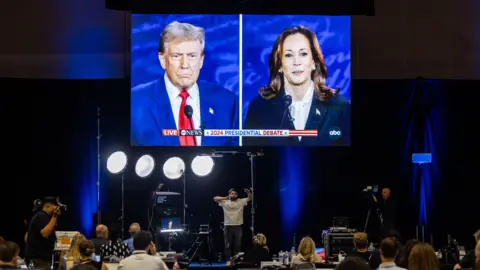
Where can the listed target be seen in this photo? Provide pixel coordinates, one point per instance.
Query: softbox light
(202, 165)
(145, 165)
(117, 162)
(174, 168)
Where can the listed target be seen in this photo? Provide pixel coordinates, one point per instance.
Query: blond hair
(260, 240)
(477, 254)
(73, 252)
(361, 240)
(306, 250)
(182, 32)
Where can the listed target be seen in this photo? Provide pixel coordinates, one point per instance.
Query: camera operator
(387, 209)
(41, 234)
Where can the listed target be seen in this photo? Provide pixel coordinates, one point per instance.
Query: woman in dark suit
(296, 97)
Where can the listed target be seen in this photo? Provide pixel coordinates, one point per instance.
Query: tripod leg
(366, 221)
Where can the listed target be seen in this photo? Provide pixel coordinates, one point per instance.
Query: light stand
(185, 206)
(99, 217)
(252, 189)
(123, 208)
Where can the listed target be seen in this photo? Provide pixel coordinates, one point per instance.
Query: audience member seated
(468, 261)
(134, 228)
(375, 259)
(114, 250)
(360, 241)
(353, 263)
(87, 249)
(72, 256)
(306, 252)
(9, 252)
(477, 254)
(388, 253)
(405, 253)
(101, 233)
(423, 257)
(140, 259)
(259, 251)
(84, 267)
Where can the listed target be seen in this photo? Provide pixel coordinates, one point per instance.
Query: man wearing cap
(233, 220)
(41, 234)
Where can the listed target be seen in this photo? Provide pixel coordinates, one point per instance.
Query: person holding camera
(41, 234)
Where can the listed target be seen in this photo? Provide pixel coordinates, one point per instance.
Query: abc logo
(183, 132)
(335, 133)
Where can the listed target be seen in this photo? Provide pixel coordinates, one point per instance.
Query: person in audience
(41, 234)
(306, 252)
(402, 258)
(259, 252)
(9, 252)
(360, 242)
(72, 256)
(84, 267)
(477, 254)
(388, 253)
(353, 263)
(115, 249)
(375, 259)
(468, 261)
(134, 228)
(86, 249)
(101, 233)
(423, 257)
(140, 259)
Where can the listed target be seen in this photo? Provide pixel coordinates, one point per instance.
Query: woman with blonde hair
(259, 251)
(423, 257)
(477, 255)
(306, 252)
(72, 255)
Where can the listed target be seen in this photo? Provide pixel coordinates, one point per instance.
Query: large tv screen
(240, 80)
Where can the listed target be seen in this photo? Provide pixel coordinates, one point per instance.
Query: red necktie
(184, 122)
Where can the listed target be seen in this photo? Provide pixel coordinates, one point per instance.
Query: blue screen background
(221, 65)
(261, 31)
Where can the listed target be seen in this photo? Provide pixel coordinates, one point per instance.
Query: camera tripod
(203, 242)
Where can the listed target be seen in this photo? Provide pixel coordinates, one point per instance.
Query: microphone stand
(191, 126)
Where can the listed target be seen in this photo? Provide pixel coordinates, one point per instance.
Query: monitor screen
(240, 80)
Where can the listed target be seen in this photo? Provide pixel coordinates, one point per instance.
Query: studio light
(117, 162)
(174, 168)
(145, 165)
(202, 165)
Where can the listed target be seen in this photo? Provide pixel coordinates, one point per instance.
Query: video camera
(62, 206)
(371, 190)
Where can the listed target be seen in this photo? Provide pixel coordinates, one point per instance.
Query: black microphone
(188, 111)
(287, 101)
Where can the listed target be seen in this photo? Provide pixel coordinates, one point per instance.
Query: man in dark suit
(387, 211)
(161, 104)
(323, 116)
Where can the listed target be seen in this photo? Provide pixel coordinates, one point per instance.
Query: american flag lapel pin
(211, 111)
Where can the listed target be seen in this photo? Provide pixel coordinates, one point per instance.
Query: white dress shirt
(300, 109)
(192, 100)
(141, 260)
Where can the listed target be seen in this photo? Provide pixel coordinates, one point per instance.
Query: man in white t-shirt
(233, 220)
